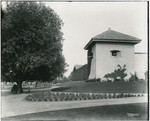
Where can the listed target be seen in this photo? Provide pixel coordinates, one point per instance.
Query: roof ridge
(126, 34)
(113, 37)
(110, 30)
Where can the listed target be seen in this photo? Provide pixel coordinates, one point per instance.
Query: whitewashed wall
(106, 63)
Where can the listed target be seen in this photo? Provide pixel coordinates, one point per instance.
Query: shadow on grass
(139, 111)
(61, 89)
(8, 93)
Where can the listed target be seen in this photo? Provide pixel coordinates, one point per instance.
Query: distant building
(107, 50)
(141, 64)
(79, 73)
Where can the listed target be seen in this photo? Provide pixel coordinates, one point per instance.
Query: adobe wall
(106, 63)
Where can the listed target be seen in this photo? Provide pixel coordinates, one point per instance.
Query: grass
(106, 87)
(114, 112)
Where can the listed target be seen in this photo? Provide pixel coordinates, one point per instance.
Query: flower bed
(62, 96)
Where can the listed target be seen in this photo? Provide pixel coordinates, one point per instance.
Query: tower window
(115, 53)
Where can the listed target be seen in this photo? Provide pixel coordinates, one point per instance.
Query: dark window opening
(115, 52)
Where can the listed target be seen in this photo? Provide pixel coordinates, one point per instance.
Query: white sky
(84, 20)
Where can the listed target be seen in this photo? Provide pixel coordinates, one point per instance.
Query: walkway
(17, 105)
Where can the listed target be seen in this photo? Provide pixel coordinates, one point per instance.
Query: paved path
(17, 105)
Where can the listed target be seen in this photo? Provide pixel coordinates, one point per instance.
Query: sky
(84, 20)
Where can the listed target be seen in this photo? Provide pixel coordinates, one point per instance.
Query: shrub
(105, 96)
(129, 95)
(50, 96)
(98, 80)
(94, 80)
(91, 80)
(118, 95)
(110, 80)
(75, 97)
(125, 95)
(109, 96)
(114, 95)
(93, 96)
(120, 72)
(89, 96)
(133, 77)
(121, 95)
(97, 96)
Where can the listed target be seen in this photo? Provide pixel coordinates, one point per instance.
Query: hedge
(62, 96)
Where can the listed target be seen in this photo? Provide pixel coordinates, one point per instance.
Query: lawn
(114, 112)
(105, 87)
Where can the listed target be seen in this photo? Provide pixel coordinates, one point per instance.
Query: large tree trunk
(20, 89)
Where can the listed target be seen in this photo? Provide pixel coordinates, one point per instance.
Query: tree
(31, 43)
(2, 14)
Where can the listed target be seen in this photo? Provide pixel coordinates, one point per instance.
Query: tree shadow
(61, 89)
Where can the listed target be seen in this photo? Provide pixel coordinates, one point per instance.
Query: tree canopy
(31, 43)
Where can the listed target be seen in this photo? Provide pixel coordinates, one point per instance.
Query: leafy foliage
(120, 72)
(133, 77)
(31, 43)
(94, 80)
(61, 96)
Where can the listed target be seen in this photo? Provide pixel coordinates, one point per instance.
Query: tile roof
(113, 36)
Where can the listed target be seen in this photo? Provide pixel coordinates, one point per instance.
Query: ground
(109, 87)
(115, 112)
(15, 107)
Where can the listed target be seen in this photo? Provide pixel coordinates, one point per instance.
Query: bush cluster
(61, 96)
(118, 74)
(94, 80)
(133, 77)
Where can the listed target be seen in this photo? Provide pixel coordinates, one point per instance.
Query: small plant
(94, 80)
(133, 77)
(50, 96)
(114, 95)
(121, 95)
(105, 96)
(118, 95)
(97, 96)
(98, 80)
(89, 96)
(125, 95)
(109, 96)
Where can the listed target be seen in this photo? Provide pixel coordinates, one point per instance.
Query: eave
(110, 41)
